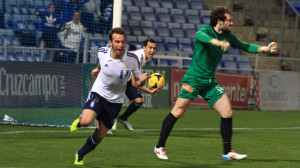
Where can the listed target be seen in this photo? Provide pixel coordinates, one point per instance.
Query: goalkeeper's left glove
(272, 48)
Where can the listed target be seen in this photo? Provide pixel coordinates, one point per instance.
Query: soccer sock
(133, 107)
(226, 133)
(87, 147)
(166, 128)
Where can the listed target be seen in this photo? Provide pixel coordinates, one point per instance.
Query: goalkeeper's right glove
(223, 44)
(272, 48)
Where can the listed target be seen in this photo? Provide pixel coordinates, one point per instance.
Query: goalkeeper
(210, 43)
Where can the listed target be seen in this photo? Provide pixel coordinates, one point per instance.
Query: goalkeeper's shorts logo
(187, 88)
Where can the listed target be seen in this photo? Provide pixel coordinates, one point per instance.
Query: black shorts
(132, 92)
(107, 112)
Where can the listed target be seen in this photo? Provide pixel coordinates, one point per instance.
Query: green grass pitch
(270, 138)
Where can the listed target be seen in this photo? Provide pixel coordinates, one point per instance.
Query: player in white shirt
(107, 95)
(134, 94)
(132, 91)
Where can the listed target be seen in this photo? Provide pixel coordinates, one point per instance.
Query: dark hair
(117, 30)
(219, 14)
(148, 40)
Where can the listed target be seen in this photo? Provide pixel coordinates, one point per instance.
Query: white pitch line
(146, 130)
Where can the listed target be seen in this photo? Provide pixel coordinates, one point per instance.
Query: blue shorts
(107, 112)
(132, 92)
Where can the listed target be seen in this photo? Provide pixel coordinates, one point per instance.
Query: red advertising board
(237, 87)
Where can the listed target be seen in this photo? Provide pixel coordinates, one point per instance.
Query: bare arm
(96, 71)
(144, 88)
(141, 81)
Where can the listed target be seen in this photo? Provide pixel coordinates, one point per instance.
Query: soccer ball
(156, 80)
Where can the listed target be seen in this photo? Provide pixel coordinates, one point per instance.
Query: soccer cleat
(160, 153)
(74, 126)
(76, 160)
(126, 123)
(232, 155)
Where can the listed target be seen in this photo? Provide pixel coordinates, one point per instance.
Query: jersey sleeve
(237, 43)
(136, 68)
(202, 35)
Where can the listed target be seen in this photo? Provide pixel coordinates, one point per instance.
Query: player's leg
(133, 94)
(88, 114)
(167, 125)
(91, 142)
(223, 107)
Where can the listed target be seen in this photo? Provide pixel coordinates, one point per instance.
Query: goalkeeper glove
(223, 44)
(272, 48)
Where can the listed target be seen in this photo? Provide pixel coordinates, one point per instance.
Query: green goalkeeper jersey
(206, 57)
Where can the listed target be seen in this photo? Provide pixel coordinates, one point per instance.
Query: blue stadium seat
(186, 63)
(205, 19)
(127, 2)
(39, 4)
(164, 17)
(30, 4)
(175, 11)
(159, 24)
(182, 4)
(171, 44)
(153, 3)
(147, 10)
(164, 63)
(141, 39)
(174, 25)
(233, 51)
(198, 5)
(167, 4)
(231, 64)
(25, 11)
(188, 26)
(245, 65)
(132, 9)
(146, 24)
(162, 10)
(47, 3)
(177, 32)
(296, 4)
(187, 44)
(149, 31)
(133, 23)
(139, 2)
(15, 10)
(179, 18)
(135, 15)
(136, 30)
(164, 32)
(149, 16)
(194, 19)
(124, 16)
(9, 22)
(148, 13)
(19, 21)
(190, 33)
(205, 13)
(173, 63)
(229, 58)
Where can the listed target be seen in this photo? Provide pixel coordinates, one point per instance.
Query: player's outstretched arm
(96, 71)
(141, 81)
(225, 45)
(272, 48)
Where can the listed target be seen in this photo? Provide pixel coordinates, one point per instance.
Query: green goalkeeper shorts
(209, 89)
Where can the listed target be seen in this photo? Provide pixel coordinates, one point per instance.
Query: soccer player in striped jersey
(107, 94)
(210, 43)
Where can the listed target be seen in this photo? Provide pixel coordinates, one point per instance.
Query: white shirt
(114, 74)
(72, 38)
(141, 56)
